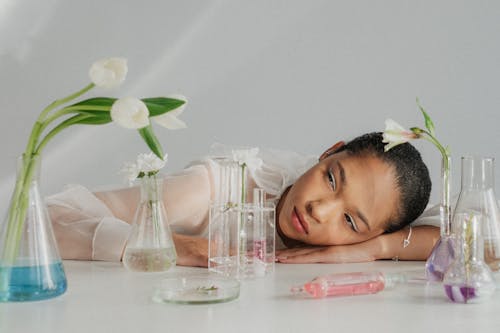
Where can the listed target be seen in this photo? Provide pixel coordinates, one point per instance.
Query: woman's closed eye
(333, 184)
(331, 179)
(350, 221)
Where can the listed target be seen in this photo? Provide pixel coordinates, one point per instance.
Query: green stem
(34, 136)
(150, 187)
(242, 233)
(468, 246)
(243, 185)
(72, 109)
(18, 209)
(59, 128)
(64, 100)
(23, 178)
(433, 140)
(40, 124)
(19, 204)
(445, 176)
(155, 198)
(24, 201)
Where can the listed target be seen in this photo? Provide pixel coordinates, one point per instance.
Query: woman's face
(343, 199)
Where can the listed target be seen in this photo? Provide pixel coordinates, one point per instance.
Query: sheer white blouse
(95, 226)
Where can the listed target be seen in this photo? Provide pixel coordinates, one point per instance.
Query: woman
(351, 206)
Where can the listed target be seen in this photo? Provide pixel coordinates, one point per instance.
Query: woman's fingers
(303, 257)
(281, 254)
(330, 254)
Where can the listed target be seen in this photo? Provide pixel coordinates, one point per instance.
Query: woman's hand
(191, 251)
(361, 252)
(386, 246)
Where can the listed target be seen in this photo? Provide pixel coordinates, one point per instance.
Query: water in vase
(149, 260)
(32, 283)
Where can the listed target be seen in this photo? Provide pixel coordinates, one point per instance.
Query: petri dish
(196, 290)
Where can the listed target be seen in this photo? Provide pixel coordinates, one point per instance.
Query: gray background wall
(285, 74)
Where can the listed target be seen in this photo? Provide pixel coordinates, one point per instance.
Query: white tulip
(109, 72)
(169, 120)
(396, 134)
(150, 162)
(130, 112)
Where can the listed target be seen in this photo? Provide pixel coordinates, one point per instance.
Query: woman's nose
(325, 210)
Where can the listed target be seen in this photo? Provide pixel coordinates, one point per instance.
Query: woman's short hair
(412, 176)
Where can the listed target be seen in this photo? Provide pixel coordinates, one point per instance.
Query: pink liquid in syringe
(347, 284)
(317, 290)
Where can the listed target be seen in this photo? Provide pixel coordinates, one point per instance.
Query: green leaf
(92, 106)
(100, 113)
(428, 121)
(160, 105)
(95, 119)
(151, 140)
(91, 117)
(83, 119)
(88, 118)
(97, 101)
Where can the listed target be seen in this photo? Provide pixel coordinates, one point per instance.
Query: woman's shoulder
(272, 169)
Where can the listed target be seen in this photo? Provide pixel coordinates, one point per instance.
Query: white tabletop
(104, 297)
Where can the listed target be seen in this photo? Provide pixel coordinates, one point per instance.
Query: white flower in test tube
(395, 134)
(150, 162)
(130, 112)
(170, 119)
(108, 72)
(248, 157)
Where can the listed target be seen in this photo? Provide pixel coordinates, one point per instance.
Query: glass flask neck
(151, 188)
(445, 208)
(477, 173)
(29, 165)
(229, 182)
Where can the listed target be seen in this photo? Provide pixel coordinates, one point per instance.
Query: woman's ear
(332, 150)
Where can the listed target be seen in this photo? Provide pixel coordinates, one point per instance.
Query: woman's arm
(420, 245)
(386, 246)
(95, 226)
(191, 250)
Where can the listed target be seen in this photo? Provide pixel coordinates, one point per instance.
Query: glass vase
(30, 265)
(469, 279)
(150, 247)
(257, 251)
(443, 253)
(224, 219)
(241, 225)
(477, 196)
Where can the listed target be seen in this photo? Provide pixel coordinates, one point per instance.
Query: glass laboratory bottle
(477, 196)
(443, 253)
(30, 265)
(150, 247)
(468, 279)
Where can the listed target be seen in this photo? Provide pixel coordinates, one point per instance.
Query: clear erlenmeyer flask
(477, 196)
(150, 247)
(30, 266)
(468, 279)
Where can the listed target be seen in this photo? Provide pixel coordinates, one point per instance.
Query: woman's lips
(298, 222)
